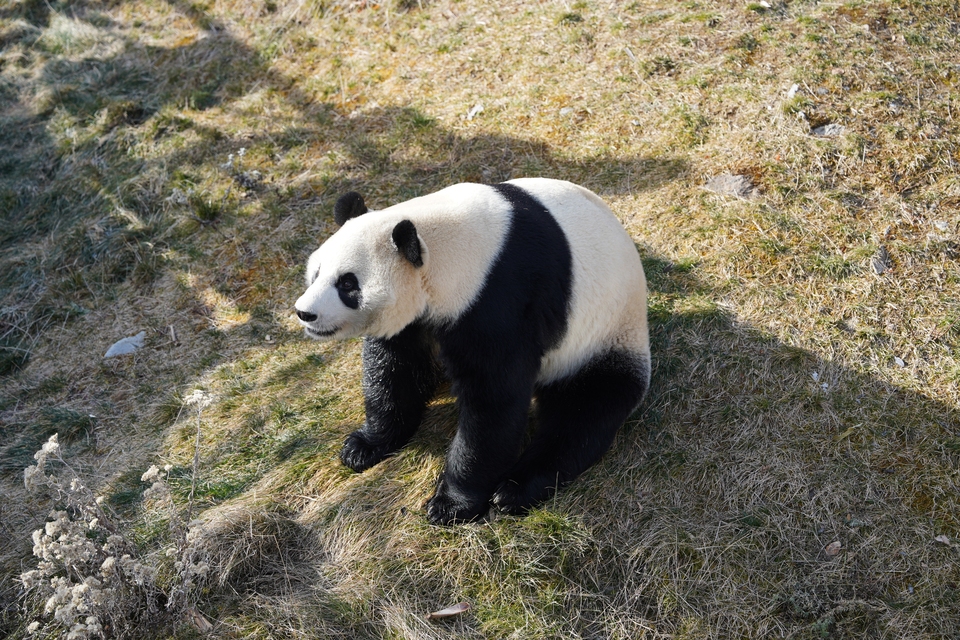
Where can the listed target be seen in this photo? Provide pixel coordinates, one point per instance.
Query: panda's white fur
(461, 231)
(530, 288)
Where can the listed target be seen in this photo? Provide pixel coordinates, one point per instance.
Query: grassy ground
(168, 165)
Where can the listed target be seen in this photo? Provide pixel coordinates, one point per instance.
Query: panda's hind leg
(400, 375)
(578, 418)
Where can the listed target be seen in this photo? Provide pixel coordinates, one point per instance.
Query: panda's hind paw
(360, 455)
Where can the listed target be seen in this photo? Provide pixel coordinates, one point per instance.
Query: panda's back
(607, 307)
(477, 237)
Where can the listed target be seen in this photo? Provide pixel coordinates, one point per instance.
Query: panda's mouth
(321, 334)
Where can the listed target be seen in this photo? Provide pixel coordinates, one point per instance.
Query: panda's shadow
(737, 421)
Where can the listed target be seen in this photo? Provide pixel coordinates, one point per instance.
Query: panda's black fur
(493, 351)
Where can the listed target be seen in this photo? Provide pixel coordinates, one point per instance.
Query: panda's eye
(347, 282)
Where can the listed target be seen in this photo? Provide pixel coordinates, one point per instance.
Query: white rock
(730, 185)
(125, 346)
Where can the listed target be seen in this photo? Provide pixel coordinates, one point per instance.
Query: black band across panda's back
(535, 246)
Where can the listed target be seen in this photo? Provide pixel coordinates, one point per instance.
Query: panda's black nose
(306, 316)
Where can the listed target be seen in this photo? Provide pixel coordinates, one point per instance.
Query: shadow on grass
(749, 458)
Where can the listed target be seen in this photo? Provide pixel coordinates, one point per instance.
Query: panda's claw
(444, 511)
(360, 455)
(507, 499)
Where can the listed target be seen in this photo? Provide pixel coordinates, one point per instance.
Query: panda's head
(365, 279)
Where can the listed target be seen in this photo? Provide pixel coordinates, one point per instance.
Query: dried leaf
(881, 260)
(455, 610)
(943, 540)
(833, 548)
(846, 434)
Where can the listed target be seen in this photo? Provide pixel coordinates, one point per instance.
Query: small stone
(730, 185)
(828, 130)
(881, 261)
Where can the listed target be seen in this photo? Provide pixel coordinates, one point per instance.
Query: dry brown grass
(712, 515)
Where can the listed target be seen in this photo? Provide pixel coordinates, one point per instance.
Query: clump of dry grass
(800, 398)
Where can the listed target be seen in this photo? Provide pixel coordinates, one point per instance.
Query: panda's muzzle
(306, 317)
(321, 334)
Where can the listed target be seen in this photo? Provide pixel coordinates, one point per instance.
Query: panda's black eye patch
(347, 282)
(349, 289)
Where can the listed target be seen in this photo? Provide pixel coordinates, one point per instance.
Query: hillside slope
(166, 166)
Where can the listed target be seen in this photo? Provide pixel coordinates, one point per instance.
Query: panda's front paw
(446, 508)
(360, 455)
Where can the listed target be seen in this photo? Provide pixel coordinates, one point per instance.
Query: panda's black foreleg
(578, 418)
(493, 419)
(400, 375)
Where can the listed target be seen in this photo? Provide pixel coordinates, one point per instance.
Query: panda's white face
(358, 284)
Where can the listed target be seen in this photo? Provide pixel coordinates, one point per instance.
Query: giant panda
(528, 291)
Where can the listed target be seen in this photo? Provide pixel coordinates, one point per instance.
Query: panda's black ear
(349, 205)
(408, 244)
